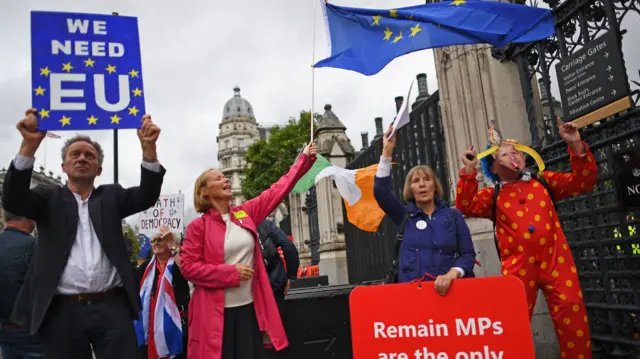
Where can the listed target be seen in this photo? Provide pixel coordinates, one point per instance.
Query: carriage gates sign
(592, 77)
(168, 211)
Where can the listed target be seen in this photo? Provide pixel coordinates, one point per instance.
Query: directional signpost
(593, 82)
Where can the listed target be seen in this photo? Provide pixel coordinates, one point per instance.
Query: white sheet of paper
(402, 118)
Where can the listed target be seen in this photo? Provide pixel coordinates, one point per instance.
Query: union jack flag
(167, 331)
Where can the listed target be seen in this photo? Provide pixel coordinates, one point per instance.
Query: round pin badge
(421, 225)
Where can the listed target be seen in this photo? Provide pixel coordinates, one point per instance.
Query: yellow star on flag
(88, 62)
(67, 67)
(43, 113)
(376, 20)
(137, 92)
(133, 111)
(397, 38)
(111, 69)
(133, 73)
(65, 121)
(115, 119)
(387, 34)
(414, 30)
(393, 13)
(92, 120)
(45, 72)
(39, 91)
(458, 2)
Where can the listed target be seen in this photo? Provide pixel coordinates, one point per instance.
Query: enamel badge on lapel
(421, 225)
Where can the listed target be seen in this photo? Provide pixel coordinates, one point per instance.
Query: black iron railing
(604, 240)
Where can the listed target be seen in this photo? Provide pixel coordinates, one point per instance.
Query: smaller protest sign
(483, 318)
(168, 211)
(86, 71)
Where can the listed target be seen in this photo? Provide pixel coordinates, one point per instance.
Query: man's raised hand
(148, 134)
(31, 137)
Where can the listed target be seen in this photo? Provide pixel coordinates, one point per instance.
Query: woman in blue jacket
(436, 240)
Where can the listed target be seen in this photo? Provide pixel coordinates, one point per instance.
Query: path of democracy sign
(86, 71)
(168, 211)
(592, 77)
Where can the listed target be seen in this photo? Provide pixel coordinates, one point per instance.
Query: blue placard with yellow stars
(86, 71)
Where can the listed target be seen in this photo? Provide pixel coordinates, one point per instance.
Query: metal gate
(604, 240)
(314, 228)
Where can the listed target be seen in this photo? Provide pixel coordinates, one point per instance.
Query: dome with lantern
(237, 106)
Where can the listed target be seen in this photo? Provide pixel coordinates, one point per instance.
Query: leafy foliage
(130, 235)
(268, 160)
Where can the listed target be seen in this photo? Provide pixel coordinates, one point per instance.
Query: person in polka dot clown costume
(530, 239)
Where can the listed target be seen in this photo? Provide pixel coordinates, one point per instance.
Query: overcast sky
(193, 54)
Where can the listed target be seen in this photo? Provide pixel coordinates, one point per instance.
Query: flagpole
(313, 72)
(115, 142)
(45, 152)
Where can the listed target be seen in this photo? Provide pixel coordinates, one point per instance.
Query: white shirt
(88, 270)
(239, 245)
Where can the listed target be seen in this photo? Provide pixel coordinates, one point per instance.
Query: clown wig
(486, 162)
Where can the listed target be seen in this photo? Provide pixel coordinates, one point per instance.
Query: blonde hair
(200, 202)
(407, 192)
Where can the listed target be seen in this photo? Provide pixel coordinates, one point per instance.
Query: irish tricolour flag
(355, 187)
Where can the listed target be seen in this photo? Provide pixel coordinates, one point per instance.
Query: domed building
(238, 131)
(38, 178)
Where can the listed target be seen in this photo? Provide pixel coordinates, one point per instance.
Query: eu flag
(145, 245)
(366, 40)
(86, 71)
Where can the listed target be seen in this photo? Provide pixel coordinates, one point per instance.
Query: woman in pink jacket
(232, 304)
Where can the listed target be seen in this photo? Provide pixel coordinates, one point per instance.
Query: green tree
(130, 235)
(268, 160)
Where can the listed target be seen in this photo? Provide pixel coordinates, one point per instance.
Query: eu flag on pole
(366, 40)
(145, 245)
(86, 71)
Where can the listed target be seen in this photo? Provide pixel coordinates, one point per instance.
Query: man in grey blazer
(80, 291)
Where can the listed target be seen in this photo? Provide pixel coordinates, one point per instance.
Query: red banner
(483, 318)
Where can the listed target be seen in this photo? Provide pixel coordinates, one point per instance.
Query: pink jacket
(202, 263)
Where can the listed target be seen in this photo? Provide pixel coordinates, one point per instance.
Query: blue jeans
(19, 344)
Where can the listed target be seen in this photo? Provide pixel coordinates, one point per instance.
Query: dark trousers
(71, 328)
(17, 343)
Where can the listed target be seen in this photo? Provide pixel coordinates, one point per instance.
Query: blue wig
(486, 162)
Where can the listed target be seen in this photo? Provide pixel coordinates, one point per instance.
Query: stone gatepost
(474, 89)
(300, 226)
(335, 146)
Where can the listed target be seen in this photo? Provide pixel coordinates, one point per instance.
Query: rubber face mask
(508, 159)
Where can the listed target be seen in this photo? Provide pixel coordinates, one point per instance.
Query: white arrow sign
(609, 68)
(613, 92)
(606, 55)
(610, 77)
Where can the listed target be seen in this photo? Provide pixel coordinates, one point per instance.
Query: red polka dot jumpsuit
(533, 246)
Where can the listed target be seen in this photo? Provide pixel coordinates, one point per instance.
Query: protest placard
(483, 318)
(168, 211)
(86, 71)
